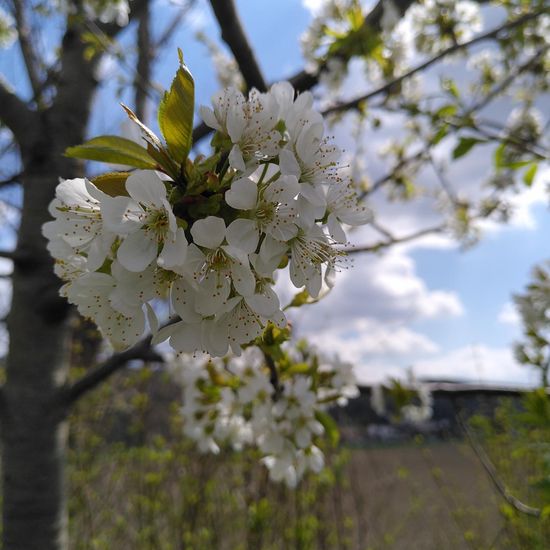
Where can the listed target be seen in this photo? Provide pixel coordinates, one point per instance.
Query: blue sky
(428, 305)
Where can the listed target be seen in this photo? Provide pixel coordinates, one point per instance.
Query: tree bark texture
(33, 417)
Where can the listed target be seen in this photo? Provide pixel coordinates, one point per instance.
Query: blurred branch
(390, 239)
(273, 374)
(140, 351)
(492, 472)
(442, 178)
(388, 86)
(304, 80)
(8, 255)
(15, 114)
(506, 82)
(391, 175)
(234, 36)
(143, 351)
(143, 65)
(11, 180)
(172, 27)
(30, 57)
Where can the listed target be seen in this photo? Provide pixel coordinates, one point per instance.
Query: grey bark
(33, 418)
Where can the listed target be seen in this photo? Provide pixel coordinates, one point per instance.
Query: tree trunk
(33, 422)
(33, 417)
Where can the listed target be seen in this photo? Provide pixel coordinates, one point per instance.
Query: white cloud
(475, 364)
(359, 339)
(478, 363)
(385, 288)
(509, 315)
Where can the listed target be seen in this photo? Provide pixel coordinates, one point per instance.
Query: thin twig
(30, 57)
(492, 472)
(388, 86)
(392, 240)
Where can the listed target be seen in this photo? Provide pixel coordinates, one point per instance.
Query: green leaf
(465, 144)
(440, 134)
(499, 156)
(446, 111)
(112, 183)
(113, 149)
(300, 298)
(146, 132)
(530, 174)
(331, 428)
(449, 85)
(175, 115)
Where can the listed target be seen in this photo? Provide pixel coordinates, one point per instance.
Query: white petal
(121, 215)
(264, 305)
(145, 187)
(137, 251)
(209, 118)
(288, 163)
(152, 318)
(236, 159)
(187, 337)
(174, 251)
(243, 194)
(164, 333)
(243, 234)
(272, 250)
(183, 301)
(312, 194)
(209, 232)
(243, 279)
(212, 294)
(236, 122)
(335, 229)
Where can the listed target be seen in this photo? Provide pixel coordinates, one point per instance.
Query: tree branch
(30, 57)
(7, 255)
(492, 472)
(234, 36)
(142, 350)
(172, 27)
(143, 66)
(15, 114)
(11, 180)
(391, 240)
(304, 80)
(388, 86)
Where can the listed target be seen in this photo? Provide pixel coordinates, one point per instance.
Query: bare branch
(141, 351)
(7, 255)
(173, 26)
(492, 472)
(380, 182)
(15, 114)
(11, 180)
(388, 86)
(391, 240)
(30, 57)
(143, 66)
(234, 36)
(506, 82)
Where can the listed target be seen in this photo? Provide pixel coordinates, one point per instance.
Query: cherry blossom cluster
(212, 237)
(232, 403)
